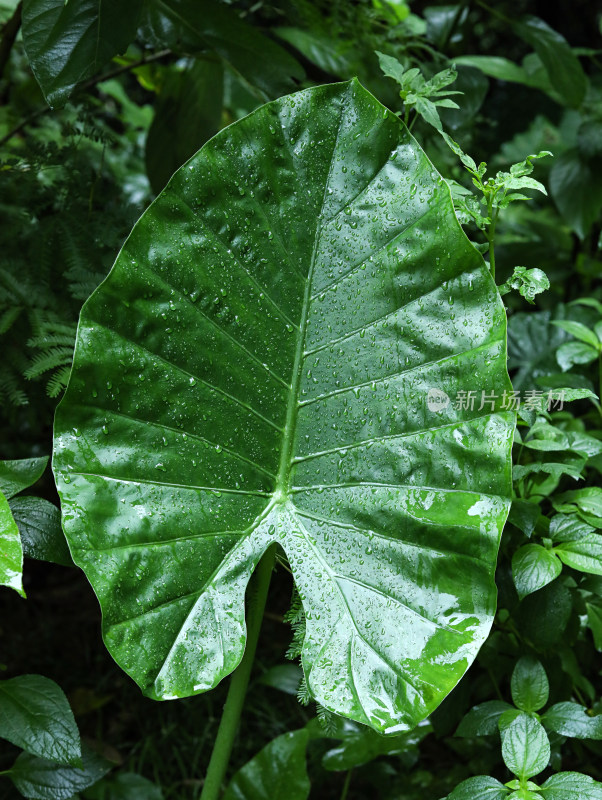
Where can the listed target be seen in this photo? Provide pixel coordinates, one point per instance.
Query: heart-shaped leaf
(35, 715)
(273, 359)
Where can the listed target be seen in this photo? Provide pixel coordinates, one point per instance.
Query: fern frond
(304, 696)
(327, 719)
(9, 317)
(58, 382)
(49, 359)
(295, 617)
(10, 391)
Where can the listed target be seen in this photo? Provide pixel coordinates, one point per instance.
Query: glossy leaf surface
(35, 716)
(68, 41)
(481, 787)
(533, 567)
(39, 524)
(11, 550)
(256, 369)
(187, 26)
(571, 719)
(20, 474)
(529, 685)
(482, 720)
(41, 779)
(277, 772)
(525, 747)
(571, 786)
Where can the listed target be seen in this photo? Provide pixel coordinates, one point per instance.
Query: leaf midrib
(282, 487)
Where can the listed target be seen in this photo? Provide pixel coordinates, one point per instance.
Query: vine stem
(491, 238)
(345, 790)
(224, 741)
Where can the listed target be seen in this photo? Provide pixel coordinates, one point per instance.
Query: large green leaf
(255, 369)
(68, 41)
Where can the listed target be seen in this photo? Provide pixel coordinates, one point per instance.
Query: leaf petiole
(224, 741)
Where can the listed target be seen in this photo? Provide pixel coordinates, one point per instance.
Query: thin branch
(9, 34)
(89, 84)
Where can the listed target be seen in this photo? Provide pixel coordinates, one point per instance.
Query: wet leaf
(39, 524)
(278, 772)
(482, 720)
(35, 716)
(571, 786)
(11, 550)
(525, 747)
(15, 476)
(572, 719)
(41, 779)
(533, 567)
(480, 788)
(529, 685)
(272, 359)
(67, 41)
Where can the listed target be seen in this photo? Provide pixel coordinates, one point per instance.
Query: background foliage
(88, 136)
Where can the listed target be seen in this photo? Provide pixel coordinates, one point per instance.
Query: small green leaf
(562, 65)
(40, 779)
(278, 772)
(360, 745)
(576, 189)
(583, 554)
(571, 786)
(11, 550)
(578, 330)
(480, 788)
(572, 353)
(508, 717)
(468, 162)
(498, 67)
(529, 685)
(589, 302)
(568, 528)
(528, 282)
(519, 472)
(572, 719)
(524, 794)
(15, 476)
(35, 716)
(392, 68)
(587, 501)
(524, 515)
(524, 182)
(285, 677)
(533, 567)
(482, 720)
(67, 41)
(189, 27)
(525, 747)
(39, 524)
